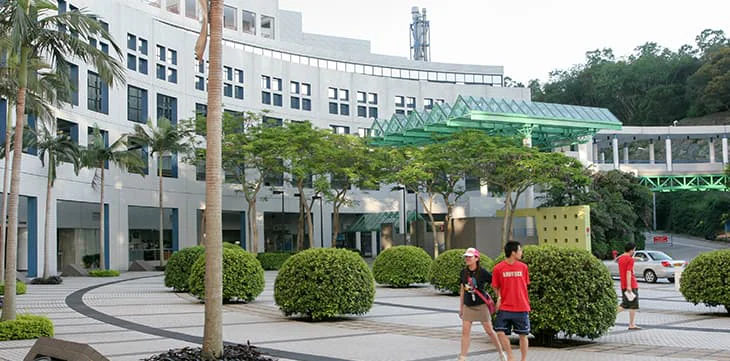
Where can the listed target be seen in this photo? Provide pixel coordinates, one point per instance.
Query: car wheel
(650, 276)
(670, 279)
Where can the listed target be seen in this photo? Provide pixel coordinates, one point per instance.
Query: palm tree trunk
(162, 210)
(102, 251)
(12, 240)
(47, 224)
(4, 211)
(213, 328)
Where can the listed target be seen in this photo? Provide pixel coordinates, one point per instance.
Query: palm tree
(42, 85)
(213, 327)
(163, 140)
(97, 156)
(29, 28)
(59, 148)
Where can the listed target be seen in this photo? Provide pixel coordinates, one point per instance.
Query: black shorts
(630, 305)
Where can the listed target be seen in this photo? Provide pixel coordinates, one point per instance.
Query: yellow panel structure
(560, 226)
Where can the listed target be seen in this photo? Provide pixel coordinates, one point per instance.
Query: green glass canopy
(549, 125)
(369, 222)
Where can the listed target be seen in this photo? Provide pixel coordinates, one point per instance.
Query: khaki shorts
(476, 313)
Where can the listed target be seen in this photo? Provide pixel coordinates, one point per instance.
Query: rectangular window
(136, 104)
(267, 27)
(161, 72)
(172, 75)
(141, 150)
(142, 46)
(363, 132)
(229, 18)
(265, 82)
(295, 102)
(68, 129)
(294, 87)
(339, 129)
(361, 97)
(71, 95)
(332, 93)
(142, 66)
(249, 22)
(373, 112)
(472, 183)
(372, 98)
(307, 104)
(239, 76)
(171, 56)
(239, 92)
(173, 6)
(201, 109)
(428, 103)
(131, 42)
(228, 90)
(131, 62)
(161, 52)
(344, 109)
(228, 73)
(277, 84)
(191, 10)
(362, 111)
(344, 95)
(399, 101)
(167, 108)
(333, 108)
(411, 103)
(97, 94)
(199, 83)
(266, 97)
(104, 137)
(278, 100)
(306, 89)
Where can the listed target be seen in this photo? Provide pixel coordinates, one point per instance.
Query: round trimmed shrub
(445, 272)
(20, 288)
(323, 283)
(401, 266)
(570, 291)
(26, 327)
(230, 245)
(177, 271)
(271, 261)
(705, 279)
(243, 277)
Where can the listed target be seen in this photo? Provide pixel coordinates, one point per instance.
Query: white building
(269, 63)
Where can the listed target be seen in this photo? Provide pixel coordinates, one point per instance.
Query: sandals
(635, 328)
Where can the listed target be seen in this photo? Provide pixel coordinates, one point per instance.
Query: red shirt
(626, 263)
(512, 280)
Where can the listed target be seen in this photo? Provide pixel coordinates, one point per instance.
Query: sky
(529, 38)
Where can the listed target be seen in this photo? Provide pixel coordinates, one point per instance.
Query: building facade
(269, 64)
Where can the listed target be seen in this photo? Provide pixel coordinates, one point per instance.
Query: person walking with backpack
(475, 302)
(510, 280)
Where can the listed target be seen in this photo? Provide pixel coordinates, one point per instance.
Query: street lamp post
(321, 227)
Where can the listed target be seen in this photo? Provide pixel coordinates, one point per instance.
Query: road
(687, 248)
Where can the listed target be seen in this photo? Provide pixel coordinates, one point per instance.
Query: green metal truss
(695, 182)
(549, 125)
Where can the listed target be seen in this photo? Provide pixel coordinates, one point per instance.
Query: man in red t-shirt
(510, 279)
(629, 286)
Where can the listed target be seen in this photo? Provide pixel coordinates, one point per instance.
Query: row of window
(230, 16)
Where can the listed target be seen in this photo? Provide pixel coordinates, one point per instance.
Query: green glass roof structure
(549, 125)
(373, 221)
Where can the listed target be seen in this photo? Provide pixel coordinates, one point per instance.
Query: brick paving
(134, 317)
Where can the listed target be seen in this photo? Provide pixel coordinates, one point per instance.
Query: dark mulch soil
(230, 353)
(52, 280)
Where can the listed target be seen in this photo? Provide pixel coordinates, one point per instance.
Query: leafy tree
(30, 28)
(163, 140)
(710, 85)
(351, 163)
(59, 148)
(97, 155)
(620, 207)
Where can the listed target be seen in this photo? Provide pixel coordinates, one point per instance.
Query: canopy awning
(548, 125)
(370, 222)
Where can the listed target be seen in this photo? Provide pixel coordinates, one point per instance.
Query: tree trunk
(310, 221)
(4, 211)
(507, 220)
(433, 225)
(300, 223)
(448, 230)
(47, 224)
(336, 222)
(13, 198)
(162, 211)
(213, 328)
(253, 229)
(102, 250)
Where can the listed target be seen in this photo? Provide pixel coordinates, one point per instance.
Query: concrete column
(668, 143)
(374, 243)
(358, 241)
(651, 152)
(724, 150)
(529, 193)
(626, 153)
(603, 158)
(711, 142)
(595, 153)
(614, 143)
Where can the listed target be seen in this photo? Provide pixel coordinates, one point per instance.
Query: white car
(651, 265)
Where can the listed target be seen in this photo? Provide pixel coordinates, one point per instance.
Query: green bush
(230, 245)
(570, 291)
(445, 272)
(401, 266)
(104, 273)
(177, 271)
(323, 283)
(20, 288)
(26, 327)
(273, 260)
(243, 276)
(705, 280)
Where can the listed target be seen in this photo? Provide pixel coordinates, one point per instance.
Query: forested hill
(652, 86)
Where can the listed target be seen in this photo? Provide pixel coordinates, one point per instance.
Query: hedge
(243, 276)
(177, 271)
(104, 273)
(20, 288)
(271, 261)
(705, 280)
(324, 283)
(26, 327)
(402, 266)
(570, 291)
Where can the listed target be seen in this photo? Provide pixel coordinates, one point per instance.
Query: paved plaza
(135, 316)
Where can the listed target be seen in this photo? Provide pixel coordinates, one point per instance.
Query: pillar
(724, 149)
(626, 153)
(712, 150)
(651, 152)
(614, 143)
(603, 158)
(668, 143)
(530, 192)
(595, 152)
